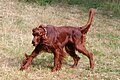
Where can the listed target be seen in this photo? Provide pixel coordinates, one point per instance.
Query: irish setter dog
(54, 39)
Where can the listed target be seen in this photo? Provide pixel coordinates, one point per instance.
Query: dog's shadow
(43, 63)
(46, 62)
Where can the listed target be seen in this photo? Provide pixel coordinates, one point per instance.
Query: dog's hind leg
(81, 48)
(71, 51)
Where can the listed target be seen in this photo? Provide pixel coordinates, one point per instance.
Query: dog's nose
(33, 42)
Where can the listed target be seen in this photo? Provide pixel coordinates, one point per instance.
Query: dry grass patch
(16, 21)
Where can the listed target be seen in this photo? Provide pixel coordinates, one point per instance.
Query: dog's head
(39, 35)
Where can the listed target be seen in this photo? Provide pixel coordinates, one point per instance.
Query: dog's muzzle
(34, 43)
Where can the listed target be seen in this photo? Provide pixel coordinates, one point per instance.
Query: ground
(16, 22)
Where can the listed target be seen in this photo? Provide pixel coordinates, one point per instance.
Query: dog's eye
(36, 34)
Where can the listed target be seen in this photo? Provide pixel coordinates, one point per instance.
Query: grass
(108, 7)
(16, 22)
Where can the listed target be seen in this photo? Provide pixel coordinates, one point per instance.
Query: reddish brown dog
(53, 39)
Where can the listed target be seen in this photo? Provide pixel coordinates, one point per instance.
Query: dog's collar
(45, 34)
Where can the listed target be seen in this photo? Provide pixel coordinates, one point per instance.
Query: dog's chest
(46, 49)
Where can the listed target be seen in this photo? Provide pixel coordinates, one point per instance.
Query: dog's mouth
(34, 44)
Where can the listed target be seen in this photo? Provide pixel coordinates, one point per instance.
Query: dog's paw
(23, 68)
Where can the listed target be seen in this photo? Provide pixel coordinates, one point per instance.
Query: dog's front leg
(29, 59)
(57, 61)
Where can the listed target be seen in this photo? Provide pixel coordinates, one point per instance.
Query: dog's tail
(85, 28)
